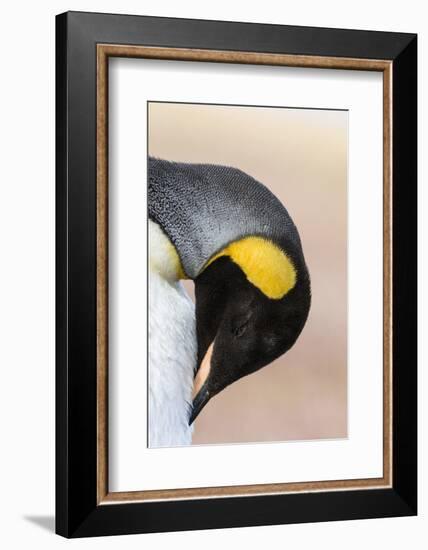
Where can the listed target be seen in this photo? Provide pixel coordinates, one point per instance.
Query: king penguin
(229, 233)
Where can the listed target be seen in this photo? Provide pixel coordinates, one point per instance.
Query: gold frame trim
(104, 51)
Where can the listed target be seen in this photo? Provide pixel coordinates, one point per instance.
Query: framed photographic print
(236, 274)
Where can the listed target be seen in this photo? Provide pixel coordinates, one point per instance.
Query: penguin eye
(239, 330)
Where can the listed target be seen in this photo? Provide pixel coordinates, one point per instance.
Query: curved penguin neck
(203, 208)
(172, 345)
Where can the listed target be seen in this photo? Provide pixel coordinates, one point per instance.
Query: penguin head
(252, 302)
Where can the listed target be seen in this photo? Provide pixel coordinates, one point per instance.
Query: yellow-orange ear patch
(265, 265)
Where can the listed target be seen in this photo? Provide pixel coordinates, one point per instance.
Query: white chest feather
(172, 346)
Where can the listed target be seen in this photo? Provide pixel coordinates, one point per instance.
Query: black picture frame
(78, 513)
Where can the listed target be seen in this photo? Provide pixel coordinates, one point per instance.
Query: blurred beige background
(301, 155)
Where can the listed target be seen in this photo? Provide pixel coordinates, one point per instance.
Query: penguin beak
(199, 402)
(201, 390)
